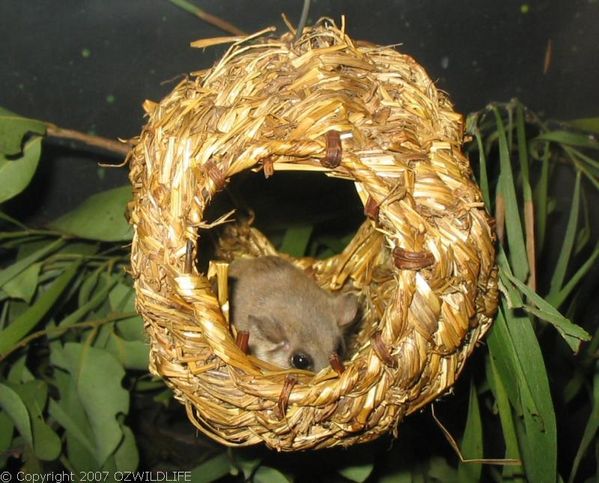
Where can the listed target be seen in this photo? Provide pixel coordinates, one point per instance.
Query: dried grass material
(423, 261)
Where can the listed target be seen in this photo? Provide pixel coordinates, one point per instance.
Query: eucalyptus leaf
(16, 174)
(212, 469)
(101, 217)
(46, 443)
(6, 431)
(357, 473)
(98, 378)
(14, 128)
(126, 457)
(266, 474)
(13, 405)
(131, 354)
(24, 285)
(23, 263)
(24, 323)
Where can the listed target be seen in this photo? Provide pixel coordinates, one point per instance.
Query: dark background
(89, 64)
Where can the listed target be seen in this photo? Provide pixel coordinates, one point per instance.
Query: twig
(94, 141)
(208, 17)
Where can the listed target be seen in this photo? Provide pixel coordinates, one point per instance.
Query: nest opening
(422, 259)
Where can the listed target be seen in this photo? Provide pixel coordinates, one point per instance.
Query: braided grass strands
(423, 261)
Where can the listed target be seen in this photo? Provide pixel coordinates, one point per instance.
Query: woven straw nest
(422, 262)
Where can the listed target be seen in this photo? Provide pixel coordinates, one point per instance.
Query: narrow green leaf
(472, 441)
(542, 198)
(296, 239)
(590, 124)
(16, 174)
(100, 217)
(22, 325)
(517, 356)
(16, 268)
(212, 469)
(567, 289)
(559, 272)
(14, 406)
(13, 128)
(483, 178)
(508, 426)
(591, 428)
(539, 436)
(572, 333)
(515, 236)
(569, 138)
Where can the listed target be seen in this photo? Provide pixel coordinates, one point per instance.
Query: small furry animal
(292, 322)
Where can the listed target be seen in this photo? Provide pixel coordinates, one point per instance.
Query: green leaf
(212, 469)
(126, 456)
(572, 333)
(590, 124)
(100, 217)
(23, 324)
(16, 174)
(131, 354)
(122, 298)
(569, 138)
(513, 223)
(266, 474)
(46, 443)
(508, 425)
(567, 289)
(132, 328)
(98, 378)
(13, 128)
(24, 285)
(357, 473)
(6, 431)
(516, 353)
(591, 428)
(296, 239)
(16, 268)
(559, 272)
(71, 425)
(13, 405)
(472, 441)
(98, 298)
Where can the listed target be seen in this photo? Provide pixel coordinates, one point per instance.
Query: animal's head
(302, 331)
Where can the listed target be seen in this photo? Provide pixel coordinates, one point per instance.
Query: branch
(110, 145)
(208, 17)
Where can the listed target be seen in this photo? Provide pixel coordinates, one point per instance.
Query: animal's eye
(299, 360)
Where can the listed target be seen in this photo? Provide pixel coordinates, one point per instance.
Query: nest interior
(422, 261)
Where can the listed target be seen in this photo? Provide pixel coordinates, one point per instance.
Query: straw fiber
(423, 262)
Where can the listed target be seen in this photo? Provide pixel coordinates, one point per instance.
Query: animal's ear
(267, 329)
(346, 309)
